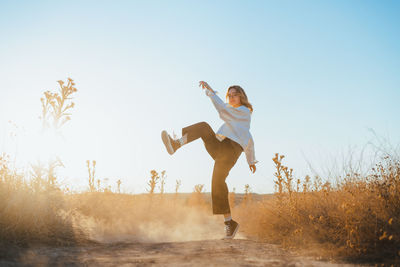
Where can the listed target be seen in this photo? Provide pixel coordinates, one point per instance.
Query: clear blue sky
(318, 73)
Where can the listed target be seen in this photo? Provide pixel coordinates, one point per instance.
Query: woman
(225, 146)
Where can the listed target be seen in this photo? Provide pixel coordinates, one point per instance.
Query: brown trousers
(225, 155)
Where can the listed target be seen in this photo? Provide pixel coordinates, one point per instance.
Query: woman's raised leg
(204, 131)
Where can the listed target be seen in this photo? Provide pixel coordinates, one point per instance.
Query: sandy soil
(237, 252)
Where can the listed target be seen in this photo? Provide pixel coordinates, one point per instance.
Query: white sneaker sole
(233, 235)
(167, 143)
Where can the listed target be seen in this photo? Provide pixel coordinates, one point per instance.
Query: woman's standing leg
(230, 152)
(219, 191)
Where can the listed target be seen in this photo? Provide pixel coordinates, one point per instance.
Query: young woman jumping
(225, 146)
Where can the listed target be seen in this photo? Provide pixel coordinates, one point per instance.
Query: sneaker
(171, 144)
(231, 227)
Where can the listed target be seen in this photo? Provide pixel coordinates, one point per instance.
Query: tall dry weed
(56, 105)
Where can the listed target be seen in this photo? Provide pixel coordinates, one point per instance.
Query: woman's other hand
(253, 168)
(205, 85)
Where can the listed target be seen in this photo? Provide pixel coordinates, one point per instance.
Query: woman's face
(234, 98)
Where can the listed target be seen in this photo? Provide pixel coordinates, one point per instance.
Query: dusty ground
(238, 252)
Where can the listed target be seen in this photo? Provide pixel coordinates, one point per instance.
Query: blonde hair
(243, 97)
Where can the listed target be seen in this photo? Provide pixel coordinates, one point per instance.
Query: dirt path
(238, 252)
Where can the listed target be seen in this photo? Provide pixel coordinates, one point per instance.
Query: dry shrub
(359, 218)
(30, 211)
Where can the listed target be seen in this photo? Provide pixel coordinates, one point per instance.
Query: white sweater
(236, 126)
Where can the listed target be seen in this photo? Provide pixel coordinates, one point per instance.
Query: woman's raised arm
(226, 112)
(205, 85)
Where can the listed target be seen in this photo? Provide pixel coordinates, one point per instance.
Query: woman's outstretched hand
(253, 168)
(205, 85)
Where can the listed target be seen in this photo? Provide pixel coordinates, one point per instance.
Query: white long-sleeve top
(236, 126)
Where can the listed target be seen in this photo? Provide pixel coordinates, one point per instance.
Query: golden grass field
(356, 220)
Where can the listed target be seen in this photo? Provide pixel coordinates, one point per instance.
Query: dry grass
(29, 211)
(357, 219)
(39, 212)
